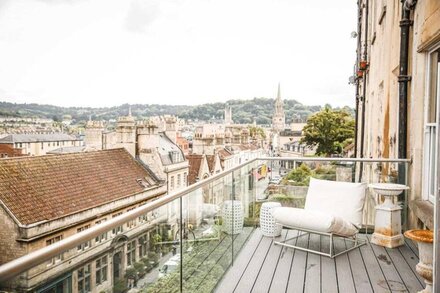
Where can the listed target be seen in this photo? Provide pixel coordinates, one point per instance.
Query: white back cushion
(343, 199)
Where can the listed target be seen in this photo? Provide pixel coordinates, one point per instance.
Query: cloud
(141, 14)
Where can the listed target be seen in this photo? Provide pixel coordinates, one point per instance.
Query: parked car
(275, 179)
(171, 265)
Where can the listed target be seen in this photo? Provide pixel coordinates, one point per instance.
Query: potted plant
(363, 65)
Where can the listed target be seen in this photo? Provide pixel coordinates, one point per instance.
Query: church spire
(279, 92)
(278, 118)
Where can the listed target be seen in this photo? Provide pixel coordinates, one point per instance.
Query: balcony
(264, 267)
(194, 241)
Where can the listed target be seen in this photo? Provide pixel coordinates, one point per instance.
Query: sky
(110, 52)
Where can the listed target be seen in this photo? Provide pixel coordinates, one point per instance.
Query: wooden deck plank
(252, 270)
(403, 269)
(313, 270)
(328, 269)
(263, 267)
(412, 259)
(282, 271)
(233, 275)
(412, 245)
(343, 270)
(359, 272)
(394, 281)
(377, 278)
(265, 276)
(298, 270)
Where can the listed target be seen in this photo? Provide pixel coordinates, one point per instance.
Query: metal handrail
(322, 159)
(22, 264)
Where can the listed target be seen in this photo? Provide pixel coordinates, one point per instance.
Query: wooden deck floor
(262, 266)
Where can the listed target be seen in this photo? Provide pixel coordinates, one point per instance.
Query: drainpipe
(364, 90)
(358, 52)
(403, 79)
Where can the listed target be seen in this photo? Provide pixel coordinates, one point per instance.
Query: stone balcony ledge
(424, 210)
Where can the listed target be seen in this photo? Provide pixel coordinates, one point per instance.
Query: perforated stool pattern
(267, 221)
(233, 219)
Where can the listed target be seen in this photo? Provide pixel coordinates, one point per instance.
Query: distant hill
(243, 111)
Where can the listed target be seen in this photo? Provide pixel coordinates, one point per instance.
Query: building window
(144, 217)
(178, 180)
(52, 241)
(84, 279)
(185, 176)
(101, 270)
(430, 146)
(42, 145)
(103, 236)
(131, 252)
(132, 223)
(172, 183)
(118, 229)
(86, 244)
(143, 245)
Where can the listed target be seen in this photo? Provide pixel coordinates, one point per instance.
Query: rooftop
(47, 187)
(13, 138)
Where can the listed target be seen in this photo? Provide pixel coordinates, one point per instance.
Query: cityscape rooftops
(41, 188)
(169, 152)
(28, 137)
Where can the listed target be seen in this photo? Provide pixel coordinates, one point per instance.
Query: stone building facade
(47, 206)
(32, 144)
(398, 92)
(151, 141)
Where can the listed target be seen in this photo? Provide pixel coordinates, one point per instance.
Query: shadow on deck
(262, 266)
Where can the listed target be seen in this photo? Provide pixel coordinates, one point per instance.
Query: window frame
(87, 244)
(84, 279)
(101, 270)
(431, 131)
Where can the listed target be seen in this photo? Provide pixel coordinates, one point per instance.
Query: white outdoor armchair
(332, 209)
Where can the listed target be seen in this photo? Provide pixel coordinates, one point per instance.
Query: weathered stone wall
(382, 89)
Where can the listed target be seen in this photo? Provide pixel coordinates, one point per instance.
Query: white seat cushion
(344, 199)
(313, 220)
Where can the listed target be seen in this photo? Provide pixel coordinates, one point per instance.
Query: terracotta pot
(424, 239)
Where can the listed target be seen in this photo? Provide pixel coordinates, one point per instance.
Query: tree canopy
(329, 130)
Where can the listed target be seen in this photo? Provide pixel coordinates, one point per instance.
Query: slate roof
(71, 149)
(47, 187)
(166, 149)
(28, 137)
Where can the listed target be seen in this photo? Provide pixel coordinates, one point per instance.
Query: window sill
(424, 210)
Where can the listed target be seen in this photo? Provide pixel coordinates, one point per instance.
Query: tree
(257, 132)
(328, 130)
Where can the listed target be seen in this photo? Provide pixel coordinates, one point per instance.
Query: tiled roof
(47, 187)
(13, 138)
(223, 153)
(194, 163)
(211, 162)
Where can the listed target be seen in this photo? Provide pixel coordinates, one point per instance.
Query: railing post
(181, 241)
